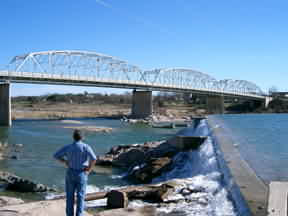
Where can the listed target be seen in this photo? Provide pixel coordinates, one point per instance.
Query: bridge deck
(64, 79)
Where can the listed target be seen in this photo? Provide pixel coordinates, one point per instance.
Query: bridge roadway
(58, 79)
(83, 68)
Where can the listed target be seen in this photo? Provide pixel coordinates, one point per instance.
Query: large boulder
(187, 143)
(150, 160)
(104, 160)
(125, 156)
(16, 183)
(165, 149)
(130, 158)
(151, 169)
(154, 194)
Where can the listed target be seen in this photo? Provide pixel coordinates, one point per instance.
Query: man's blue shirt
(78, 155)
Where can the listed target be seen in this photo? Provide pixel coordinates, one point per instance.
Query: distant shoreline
(61, 111)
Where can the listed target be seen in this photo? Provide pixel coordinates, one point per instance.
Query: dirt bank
(47, 110)
(66, 110)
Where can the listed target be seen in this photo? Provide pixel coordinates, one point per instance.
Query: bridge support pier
(215, 104)
(5, 105)
(267, 101)
(142, 105)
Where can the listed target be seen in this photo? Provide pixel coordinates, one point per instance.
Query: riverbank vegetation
(89, 105)
(61, 106)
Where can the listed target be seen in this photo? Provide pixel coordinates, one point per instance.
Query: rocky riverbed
(145, 162)
(191, 171)
(154, 158)
(178, 176)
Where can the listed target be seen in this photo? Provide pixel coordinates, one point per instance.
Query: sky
(227, 39)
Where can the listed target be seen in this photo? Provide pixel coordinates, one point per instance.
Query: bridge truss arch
(74, 65)
(181, 78)
(95, 69)
(241, 86)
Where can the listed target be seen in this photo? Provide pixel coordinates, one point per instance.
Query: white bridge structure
(82, 68)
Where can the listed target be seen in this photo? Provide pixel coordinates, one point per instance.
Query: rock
(130, 158)
(150, 160)
(165, 149)
(186, 143)
(143, 162)
(104, 160)
(132, 154)
(14, 157)
(156, 194)
(16, 183)
(19, 145)
(150, 170)
(151, 193)
(163, 125)
(5, 201)
(91, 129)
(71, 122)
(116, 199)
(116, 150)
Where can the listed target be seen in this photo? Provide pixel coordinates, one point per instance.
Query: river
(262, 141)
(33, 142)
(260, 138)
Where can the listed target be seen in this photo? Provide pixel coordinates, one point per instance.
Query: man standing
(79, 159)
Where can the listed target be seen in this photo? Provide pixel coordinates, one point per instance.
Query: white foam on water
(197, 171)
(117, 176)
(199, 190)
(51, 196)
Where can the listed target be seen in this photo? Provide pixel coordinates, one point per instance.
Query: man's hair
(77, 135)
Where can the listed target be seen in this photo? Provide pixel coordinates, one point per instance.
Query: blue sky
(237, 39)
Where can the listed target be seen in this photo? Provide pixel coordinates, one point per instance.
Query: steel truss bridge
(84, 68)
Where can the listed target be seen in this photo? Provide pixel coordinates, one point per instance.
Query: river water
(261, 140)
(40, 139)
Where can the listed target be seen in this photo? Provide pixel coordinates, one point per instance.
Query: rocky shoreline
(12, 182)
(147, 161)
(142, 164)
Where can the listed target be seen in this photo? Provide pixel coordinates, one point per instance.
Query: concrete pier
(267, 101)
(142, 106)
(215, 104)
(5, 104)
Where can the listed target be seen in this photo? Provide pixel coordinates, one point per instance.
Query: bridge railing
(81, 66)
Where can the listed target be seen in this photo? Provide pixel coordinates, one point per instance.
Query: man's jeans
(76, 181)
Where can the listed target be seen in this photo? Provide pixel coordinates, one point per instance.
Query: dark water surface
(40, 139)
(262, 140)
